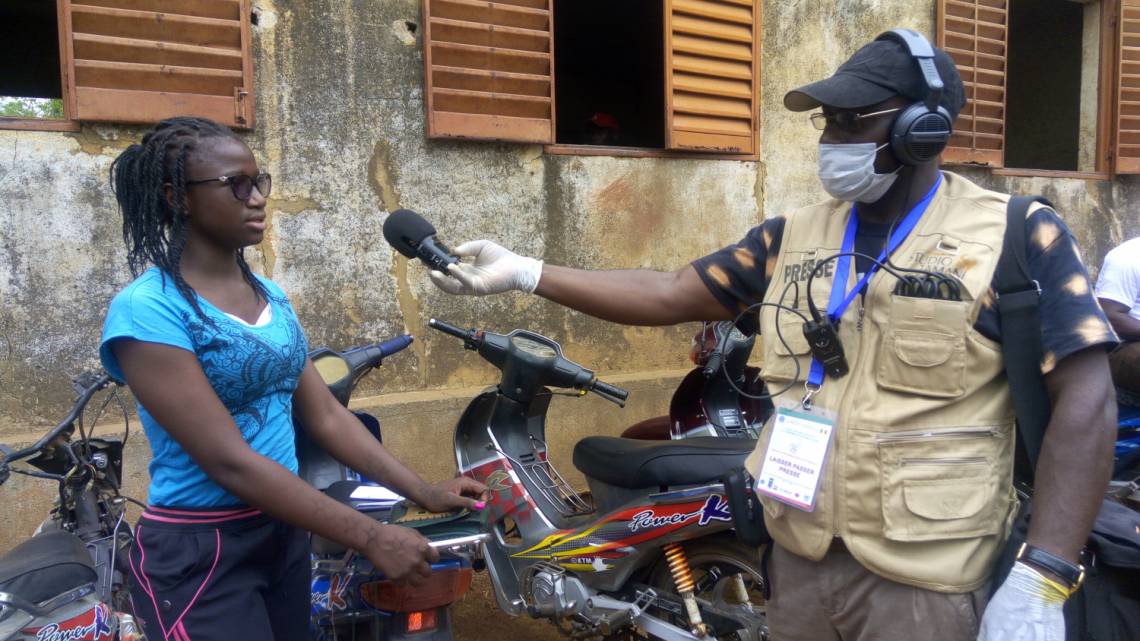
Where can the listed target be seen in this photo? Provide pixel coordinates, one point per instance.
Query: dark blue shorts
(219, 575)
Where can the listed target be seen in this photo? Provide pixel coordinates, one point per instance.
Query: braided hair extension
(154, 227)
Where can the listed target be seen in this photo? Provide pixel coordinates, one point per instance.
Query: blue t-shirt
(253, 370)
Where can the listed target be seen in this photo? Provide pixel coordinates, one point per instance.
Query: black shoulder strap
(1018, 296)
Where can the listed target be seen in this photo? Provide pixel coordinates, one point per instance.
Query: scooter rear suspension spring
(679, 567)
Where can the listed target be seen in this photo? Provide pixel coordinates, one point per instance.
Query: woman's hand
(400, 553)
(460, 492)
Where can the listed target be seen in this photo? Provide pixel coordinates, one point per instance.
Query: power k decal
(92, 625)
(714, 509)
(328, 593)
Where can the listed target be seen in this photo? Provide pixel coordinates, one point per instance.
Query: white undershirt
(1119, 279)
(262, 320)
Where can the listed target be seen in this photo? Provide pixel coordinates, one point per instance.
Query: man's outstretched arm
(633, 297)
(630, 297)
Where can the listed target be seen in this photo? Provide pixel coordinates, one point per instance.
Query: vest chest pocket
(781, 357)
(923, 347)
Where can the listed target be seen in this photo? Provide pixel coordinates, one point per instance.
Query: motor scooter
(66, 582)
(708, 401)
(649, 553)
(351, 599)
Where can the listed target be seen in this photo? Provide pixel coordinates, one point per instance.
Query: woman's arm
(340, 433)
(170, 384)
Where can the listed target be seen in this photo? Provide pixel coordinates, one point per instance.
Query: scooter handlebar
(394, 345)
(609, 392)
(468, 336)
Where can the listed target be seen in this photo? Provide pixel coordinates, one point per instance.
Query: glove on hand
(1027, 607)
(496, 269)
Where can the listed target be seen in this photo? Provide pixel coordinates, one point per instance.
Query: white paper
(375, 493)
(794, 461)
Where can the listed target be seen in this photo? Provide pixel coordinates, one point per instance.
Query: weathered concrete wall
(341, 127)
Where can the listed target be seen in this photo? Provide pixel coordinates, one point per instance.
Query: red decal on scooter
(507, 496)
(498, 480)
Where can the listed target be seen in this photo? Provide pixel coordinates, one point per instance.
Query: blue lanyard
(840, 300)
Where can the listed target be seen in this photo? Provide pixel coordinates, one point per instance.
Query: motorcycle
(66, 582)
(650, 552)
(708, 401)
(350, 598)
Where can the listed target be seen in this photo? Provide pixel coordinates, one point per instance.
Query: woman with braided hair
(217, 360)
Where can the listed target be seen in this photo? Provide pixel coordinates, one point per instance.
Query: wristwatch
(1073, 573)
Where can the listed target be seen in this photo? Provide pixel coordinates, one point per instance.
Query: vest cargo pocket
(773, 509)
(924, 348)
(939, 486)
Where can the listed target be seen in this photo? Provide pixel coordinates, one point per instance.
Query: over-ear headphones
(921, 131)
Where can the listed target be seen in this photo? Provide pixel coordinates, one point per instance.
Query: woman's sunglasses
(241, 184)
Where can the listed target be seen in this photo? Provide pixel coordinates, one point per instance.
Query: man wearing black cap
(901, 497)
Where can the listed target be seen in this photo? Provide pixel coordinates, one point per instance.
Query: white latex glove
(495, 269)
(1027, 607)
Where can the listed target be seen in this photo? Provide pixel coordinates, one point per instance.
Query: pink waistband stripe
(165, 515)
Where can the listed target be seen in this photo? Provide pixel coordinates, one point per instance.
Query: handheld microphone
(414, 237)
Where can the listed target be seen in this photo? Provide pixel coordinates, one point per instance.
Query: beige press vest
(918, 479)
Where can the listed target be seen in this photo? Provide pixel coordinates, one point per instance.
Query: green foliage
(14, 107)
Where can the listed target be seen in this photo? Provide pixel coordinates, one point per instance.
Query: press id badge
(796, 454)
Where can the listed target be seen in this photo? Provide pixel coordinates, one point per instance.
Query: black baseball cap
(878, 71)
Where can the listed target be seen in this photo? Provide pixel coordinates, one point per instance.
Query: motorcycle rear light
(421, 621)
(441, 588)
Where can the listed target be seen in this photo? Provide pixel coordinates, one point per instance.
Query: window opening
(1052, 76)
(609, 72)
(30, 83)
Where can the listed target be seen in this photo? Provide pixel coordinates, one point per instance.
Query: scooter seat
(634, 464)
(45, 566)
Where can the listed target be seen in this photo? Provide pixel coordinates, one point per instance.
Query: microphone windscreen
(404, 229)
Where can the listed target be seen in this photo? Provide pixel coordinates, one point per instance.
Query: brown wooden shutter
(711, 82)
(145, 60)
(1128, 90)
(489, 69)
(974, 33)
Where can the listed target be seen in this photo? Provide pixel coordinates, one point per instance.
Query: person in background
(1118, 291)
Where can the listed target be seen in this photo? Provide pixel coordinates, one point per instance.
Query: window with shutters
(1041, 83)
(1127, 76)
(636, 77)
(140, 61)
(31, 87)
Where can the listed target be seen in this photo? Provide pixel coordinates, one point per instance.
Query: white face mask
(848, 172)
